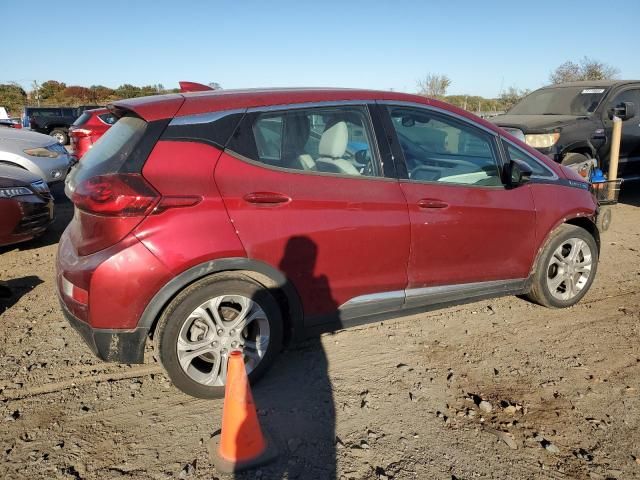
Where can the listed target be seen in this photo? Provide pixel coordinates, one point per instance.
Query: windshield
(560, 101)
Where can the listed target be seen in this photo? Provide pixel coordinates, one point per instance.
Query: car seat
(333, 145)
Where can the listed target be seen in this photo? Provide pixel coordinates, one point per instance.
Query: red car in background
(88, 128)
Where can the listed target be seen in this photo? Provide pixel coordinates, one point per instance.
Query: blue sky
(481, 46)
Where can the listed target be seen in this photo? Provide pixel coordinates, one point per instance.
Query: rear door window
(335, 140)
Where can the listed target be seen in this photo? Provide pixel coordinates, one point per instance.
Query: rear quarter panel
(188, 236)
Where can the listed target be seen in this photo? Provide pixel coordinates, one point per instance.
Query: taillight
(74, 292)
(80, 132)
(119, 195)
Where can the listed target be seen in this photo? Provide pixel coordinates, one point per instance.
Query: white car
(35, 152)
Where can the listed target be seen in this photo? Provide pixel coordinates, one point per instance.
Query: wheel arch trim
(578, 219)
(294, 317)
(578, 147)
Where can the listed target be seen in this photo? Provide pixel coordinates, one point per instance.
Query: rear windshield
(110, 152)
(82, 119)
(579, 101)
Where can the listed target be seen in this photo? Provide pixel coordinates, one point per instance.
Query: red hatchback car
(216, 221)
(88, 128)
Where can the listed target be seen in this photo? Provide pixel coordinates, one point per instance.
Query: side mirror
(624, 111)
(517, 173)
(408, 121)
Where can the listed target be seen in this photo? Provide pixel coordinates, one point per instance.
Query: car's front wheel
(566, 268)
(206, 322)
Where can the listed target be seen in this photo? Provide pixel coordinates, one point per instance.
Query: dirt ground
(496, 389)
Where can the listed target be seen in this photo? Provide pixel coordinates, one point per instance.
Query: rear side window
(329, 139)
(108, 118)
(111, 151)
(539, 170)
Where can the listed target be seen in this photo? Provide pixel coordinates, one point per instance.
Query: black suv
(54, 121)
(571, 122)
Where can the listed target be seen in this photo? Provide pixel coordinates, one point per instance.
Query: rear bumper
(111, 345)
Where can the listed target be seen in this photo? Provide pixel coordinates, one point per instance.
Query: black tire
(176, 314)
(60, 135)
(604, 218)
(573, 158)
(540, 292)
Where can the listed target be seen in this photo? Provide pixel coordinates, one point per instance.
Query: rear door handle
(266, 198)
(432, 203)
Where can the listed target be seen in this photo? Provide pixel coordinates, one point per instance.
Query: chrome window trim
(554, 175)
(207, 117)
(327, 103)
(443, 111)
(296, 171)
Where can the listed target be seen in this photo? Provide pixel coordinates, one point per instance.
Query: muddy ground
(399, 399)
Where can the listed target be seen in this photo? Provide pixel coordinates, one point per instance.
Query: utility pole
(36, 89)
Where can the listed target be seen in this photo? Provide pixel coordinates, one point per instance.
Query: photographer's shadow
(295, 399)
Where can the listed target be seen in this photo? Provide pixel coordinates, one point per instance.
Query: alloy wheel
(215, 329)
(569, 269)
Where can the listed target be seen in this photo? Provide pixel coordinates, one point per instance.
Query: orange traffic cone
(241, 444)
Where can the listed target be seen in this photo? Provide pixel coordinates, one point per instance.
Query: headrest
(296, 134)
(333, 142)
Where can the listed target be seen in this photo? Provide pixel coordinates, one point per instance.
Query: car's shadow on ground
(11, 291)
(295, 406)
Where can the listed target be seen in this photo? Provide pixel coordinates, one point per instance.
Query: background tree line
(52, 92)
(436, 85)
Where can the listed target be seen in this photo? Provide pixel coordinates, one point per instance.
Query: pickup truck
(54, 121)
(572, 123)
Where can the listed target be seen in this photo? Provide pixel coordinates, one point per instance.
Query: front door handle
(266, 198)
(432, 203)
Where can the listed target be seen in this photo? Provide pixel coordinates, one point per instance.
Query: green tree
(585, 69)
(12, 97)
(511, 96)
(127, 91)
(434, 85)
(99, 94)
(51, 90)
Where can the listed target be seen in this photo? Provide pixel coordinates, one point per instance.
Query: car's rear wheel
(60, 135)
(206, 322)
(566, 268)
